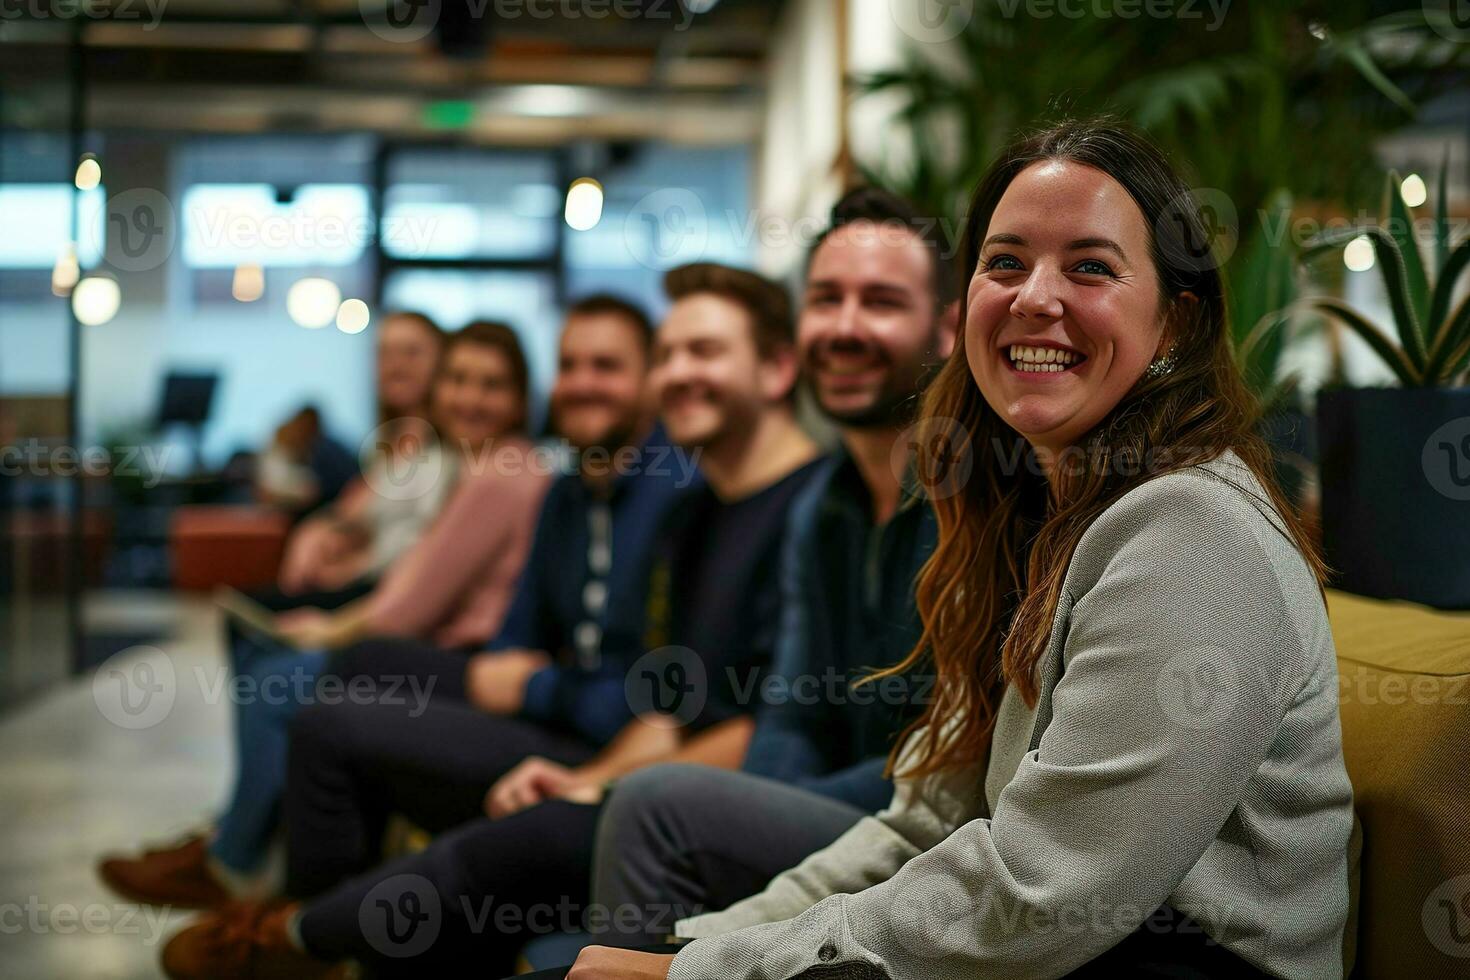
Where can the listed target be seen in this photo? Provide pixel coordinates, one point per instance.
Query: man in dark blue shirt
(551, 683)
(573, 627)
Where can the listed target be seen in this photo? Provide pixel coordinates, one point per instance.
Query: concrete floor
(83, 771)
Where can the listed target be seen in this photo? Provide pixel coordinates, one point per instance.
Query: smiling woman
(1063, 308)
(1133, 749)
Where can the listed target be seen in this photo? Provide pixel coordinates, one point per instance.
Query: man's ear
(949, 325)
(778, 373)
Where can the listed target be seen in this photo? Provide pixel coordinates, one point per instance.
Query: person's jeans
(244, 831)
(699, 838)
(271, 684)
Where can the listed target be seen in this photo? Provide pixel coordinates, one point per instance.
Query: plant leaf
(1281, 395)
(1356, 54)
(1441, 219)
(1444, 290)
(1401, 227)
(1391, 268)
(1444, 357)
(1382, 345)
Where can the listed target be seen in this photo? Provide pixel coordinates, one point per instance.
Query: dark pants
(488, 885)
(1169, 945)
(392, 661)
(703, 838)
(352, 764)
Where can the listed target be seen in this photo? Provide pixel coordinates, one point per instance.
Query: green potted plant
(1262, 296)
(1395, 461)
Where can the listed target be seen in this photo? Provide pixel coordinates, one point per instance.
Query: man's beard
(618, 435)
(737, 417)
(897, 401)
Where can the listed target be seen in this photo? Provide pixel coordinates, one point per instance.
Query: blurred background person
(452, 590)
(355, 539)
(304, 468)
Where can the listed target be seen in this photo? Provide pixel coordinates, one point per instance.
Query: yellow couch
(1404, 676)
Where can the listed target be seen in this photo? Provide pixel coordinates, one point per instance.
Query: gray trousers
(678, 840)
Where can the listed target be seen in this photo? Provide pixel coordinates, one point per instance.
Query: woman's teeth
(1042, 359)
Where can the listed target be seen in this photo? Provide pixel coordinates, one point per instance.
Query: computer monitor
(187, 398)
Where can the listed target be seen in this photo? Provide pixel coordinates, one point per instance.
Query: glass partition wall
(45, 536)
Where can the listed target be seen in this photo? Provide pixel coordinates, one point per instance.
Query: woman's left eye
(1094, 267)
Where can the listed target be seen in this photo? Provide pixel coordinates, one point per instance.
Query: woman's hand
(537, 780)
(604, 963)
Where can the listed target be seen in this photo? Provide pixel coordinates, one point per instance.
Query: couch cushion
(1404, 676)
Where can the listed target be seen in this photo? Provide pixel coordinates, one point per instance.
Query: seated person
(877, 315)
(542, 855)
(369, 526)
(304, 468)
(452, 589)
(1133, 765)
(337, 555)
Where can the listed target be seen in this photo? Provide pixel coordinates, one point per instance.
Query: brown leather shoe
(177, 876)
(242, 941)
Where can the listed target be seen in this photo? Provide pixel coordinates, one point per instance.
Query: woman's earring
(1161, 366)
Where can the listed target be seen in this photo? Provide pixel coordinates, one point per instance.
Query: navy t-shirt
(714, 595)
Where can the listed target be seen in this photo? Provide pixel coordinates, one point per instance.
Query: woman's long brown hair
(989, 592)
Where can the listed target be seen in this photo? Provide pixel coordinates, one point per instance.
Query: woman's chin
(1036, 417)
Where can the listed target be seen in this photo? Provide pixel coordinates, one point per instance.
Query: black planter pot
(1395, 475)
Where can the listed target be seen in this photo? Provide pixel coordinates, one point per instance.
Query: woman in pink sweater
(455, 585)
(452, 588)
